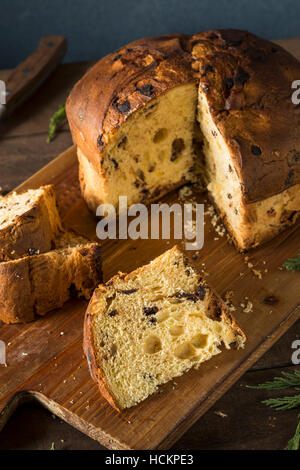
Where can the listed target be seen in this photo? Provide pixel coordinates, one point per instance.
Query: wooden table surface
(248, 424)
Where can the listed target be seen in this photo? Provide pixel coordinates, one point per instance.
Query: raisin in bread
(146, 117)
(145, 328)
(29, 223)
(34, 285)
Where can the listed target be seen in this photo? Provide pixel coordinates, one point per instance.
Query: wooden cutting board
(45, 361)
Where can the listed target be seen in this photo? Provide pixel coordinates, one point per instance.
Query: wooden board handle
(32, 72)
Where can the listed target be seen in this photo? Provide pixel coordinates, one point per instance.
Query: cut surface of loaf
(147, 327)
(246, 120)
(250, 223)
(151, 154)
(34, 285)
(29, 223)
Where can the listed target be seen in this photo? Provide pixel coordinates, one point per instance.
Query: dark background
(96, 27)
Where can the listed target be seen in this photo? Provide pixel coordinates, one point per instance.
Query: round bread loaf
(243, 119)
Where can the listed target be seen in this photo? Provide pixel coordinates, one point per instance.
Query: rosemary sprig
(52, 446)
(279, 383)
(294, 442)
(292, 264)
(283, 403)
(56, 121)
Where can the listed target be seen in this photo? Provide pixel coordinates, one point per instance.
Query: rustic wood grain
(29, 74)
(248, 423)
(54, 372)
(34, 119)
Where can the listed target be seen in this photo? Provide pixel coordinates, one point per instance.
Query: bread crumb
(215, 221)
(230, 306)
(221, 414)
(257, 273)
(184, 192)
(227, 299)
(228, 294)
(247, 307)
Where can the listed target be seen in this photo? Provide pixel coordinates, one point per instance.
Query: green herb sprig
(292, 264)
(294, 442)
(283, 403)
(286, 381)
(56, 121)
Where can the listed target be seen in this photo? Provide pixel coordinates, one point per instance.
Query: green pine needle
(283, 403)
(292, 264)
(56, 121)
(294, 442)
(287, 380)
(279, 383)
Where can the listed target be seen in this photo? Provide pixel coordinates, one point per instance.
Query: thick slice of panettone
(147, 327)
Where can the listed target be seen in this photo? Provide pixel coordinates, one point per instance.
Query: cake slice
(29, 223)
(34, 285)
(145, 328)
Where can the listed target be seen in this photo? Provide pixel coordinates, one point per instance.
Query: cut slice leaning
(147, 327)
(29, 223)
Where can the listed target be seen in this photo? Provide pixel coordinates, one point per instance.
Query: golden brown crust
(33, 231)
(34, 285)
(90, 353)
(247, 81)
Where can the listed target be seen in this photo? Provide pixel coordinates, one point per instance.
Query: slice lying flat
(147, 327)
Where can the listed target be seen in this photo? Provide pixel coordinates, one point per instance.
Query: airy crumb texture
(151, 154)
(34, 285)
(29, 223)
(145, 328)
(248, 223)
